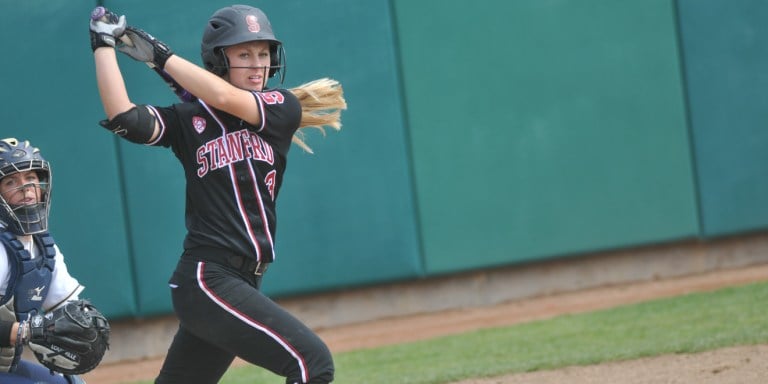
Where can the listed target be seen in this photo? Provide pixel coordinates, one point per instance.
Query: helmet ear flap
(277, 61)
(274, 59)
(219, 67)
(216, 62)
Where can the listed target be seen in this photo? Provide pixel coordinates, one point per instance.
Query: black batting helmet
(234, 25)
(19, 156)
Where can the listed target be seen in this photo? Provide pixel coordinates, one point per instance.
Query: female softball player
(232, 141)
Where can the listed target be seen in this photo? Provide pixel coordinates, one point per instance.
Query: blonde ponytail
(321, 101)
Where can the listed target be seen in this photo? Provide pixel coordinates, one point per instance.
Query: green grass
(684, 324)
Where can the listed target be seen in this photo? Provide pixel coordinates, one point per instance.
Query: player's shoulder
(284, 91)
(3, 251)
(277, 96)
(5, 233)
(186, 107)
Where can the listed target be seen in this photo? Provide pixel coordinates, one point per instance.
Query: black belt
(222, 256)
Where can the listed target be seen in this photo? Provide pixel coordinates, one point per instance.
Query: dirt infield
(731, 365)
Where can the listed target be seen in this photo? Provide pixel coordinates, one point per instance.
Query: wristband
(22, 333)
(162, 53)
(99, 40)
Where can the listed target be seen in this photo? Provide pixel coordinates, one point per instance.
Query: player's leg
(250, 325)
(27, 372)
(10, 378)
(296, 352)
(192, 360)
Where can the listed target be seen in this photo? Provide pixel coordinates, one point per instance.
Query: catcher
(39, 303)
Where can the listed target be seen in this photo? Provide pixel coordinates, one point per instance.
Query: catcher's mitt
(71, 339)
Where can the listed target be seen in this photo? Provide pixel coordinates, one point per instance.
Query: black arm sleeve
(5, 333)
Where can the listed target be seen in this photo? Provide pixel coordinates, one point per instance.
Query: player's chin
(256, 83)
(257, 88)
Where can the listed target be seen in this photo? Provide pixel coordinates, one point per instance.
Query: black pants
(223, 314)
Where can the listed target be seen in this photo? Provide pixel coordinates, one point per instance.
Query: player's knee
(322, 368)
(318, 367)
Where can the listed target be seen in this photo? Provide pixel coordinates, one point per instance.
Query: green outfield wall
(491, 135)
(726, 60)
(566, 130)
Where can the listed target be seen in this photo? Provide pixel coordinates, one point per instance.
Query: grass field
(684, 324)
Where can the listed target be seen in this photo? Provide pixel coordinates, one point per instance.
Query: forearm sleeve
(5, 333)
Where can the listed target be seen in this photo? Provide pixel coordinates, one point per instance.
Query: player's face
(249, 64)
(21, 188)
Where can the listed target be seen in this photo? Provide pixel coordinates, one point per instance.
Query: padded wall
(725, 45)
(544, 129)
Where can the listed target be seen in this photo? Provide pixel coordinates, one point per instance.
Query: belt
(239, 262)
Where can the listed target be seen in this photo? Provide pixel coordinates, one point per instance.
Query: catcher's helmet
(234, 25)
(19, 156)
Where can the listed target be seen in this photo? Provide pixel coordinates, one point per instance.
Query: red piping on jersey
(262, 211)
(263, 115)
(238, 197)
(251, 322)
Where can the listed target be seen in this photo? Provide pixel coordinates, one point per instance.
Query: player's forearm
(114, 95)
(203, 84)
(212, 89)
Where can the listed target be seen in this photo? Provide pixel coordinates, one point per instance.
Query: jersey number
(270, 182)
(273, 97)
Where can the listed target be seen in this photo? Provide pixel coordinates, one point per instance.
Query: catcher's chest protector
(30, 278)
(28, 284)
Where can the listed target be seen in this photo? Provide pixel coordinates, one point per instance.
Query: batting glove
(145, 48)
(105, 30)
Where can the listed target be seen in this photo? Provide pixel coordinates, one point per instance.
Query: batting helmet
(19, 156)
(234, 25)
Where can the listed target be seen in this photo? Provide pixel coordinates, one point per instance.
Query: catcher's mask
(25, 219)
(234, 25)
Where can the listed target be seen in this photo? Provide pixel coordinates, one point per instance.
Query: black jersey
(233, 170)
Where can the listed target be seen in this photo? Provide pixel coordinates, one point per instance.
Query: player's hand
(145, 48)
(105, 28)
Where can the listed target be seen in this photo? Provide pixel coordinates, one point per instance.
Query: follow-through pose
(232, 140)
